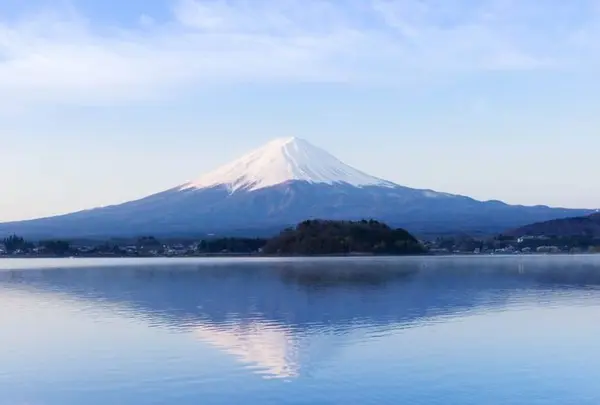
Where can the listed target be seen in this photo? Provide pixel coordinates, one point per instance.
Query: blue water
(506, 331)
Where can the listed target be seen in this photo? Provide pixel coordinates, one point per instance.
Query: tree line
(311, 237)
(14, 244)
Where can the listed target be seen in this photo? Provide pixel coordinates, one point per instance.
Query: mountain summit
(284, 182)
(283, 160)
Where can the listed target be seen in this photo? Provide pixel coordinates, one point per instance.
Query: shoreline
(261, 256)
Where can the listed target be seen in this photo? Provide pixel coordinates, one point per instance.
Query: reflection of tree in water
(344, 277)
(577, 275)
(284, 315)
(302, 293)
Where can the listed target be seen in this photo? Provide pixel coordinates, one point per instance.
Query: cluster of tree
(148, 242)
(463, 243)
(231, 245)
(14, 244)
(321, 237)
(56, 247)
(217, 245)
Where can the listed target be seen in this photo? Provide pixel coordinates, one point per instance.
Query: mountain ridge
(588, 225)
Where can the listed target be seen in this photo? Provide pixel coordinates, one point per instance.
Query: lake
(434, 330)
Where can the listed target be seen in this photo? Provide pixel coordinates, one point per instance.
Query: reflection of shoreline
(279, 318)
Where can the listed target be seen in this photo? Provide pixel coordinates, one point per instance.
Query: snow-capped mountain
(283, 160)
(280, 184)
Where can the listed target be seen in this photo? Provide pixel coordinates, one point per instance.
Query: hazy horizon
(106, 102)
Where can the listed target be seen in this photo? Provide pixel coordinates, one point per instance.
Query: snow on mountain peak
(282, 160)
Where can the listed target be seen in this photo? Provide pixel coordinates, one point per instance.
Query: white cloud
(146, 20)
(66, 57)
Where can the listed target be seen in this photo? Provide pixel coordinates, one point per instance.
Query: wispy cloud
(66, 56)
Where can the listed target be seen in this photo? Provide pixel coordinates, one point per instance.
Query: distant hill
(577, 226)
(320, 237)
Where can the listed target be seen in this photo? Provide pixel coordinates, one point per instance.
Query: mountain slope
(283, 183)
(578, 226)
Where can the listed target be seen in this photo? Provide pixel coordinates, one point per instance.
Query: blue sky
(105, 101)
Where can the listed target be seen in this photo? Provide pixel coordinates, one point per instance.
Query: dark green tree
(56, 247)
(321, 237)
(149, 242)
(14, 243)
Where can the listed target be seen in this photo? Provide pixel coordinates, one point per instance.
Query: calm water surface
(523, 330)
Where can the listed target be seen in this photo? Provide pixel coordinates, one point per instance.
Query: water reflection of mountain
(282, 316)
